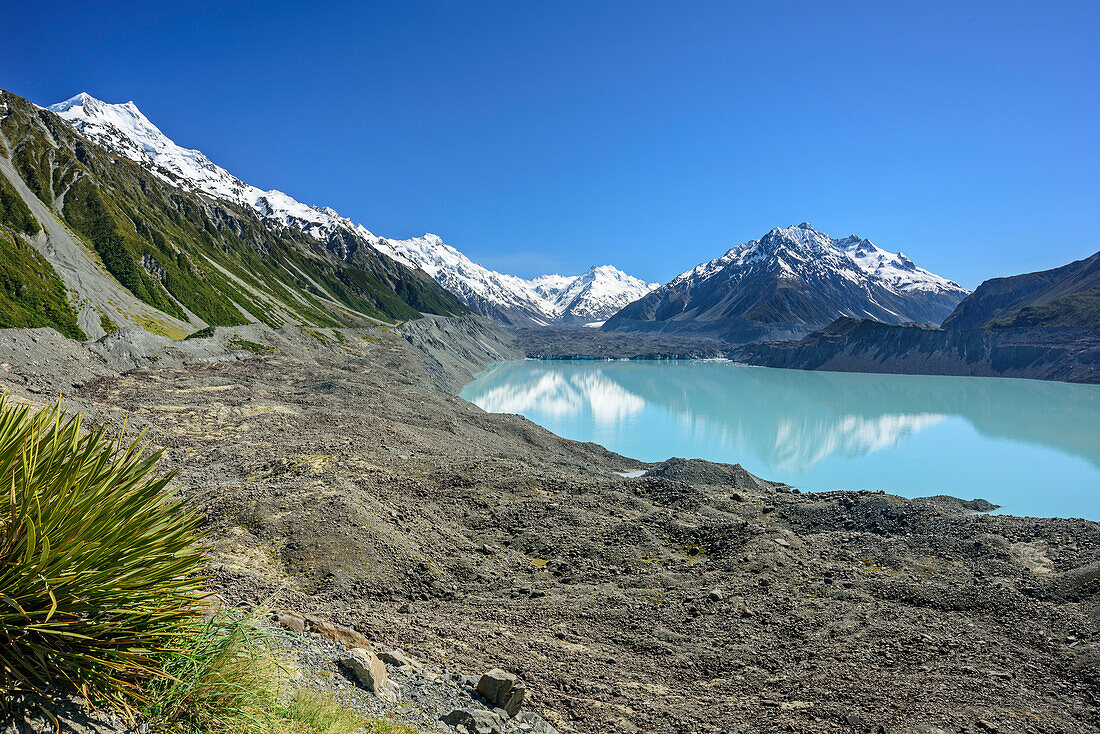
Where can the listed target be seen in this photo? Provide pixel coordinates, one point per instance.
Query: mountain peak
(788, 282)
(79, 100)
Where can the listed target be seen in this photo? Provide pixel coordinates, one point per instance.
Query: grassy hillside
(180, 252)
(14, 212)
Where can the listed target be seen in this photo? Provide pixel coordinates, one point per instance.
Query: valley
(302, 375)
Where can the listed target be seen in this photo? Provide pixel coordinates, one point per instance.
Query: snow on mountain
(789, 282)
(599, 293)
(124, 129)
(549, 299)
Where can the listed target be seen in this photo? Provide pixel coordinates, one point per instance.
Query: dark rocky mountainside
(130, 249)
(1041, 325)
(1065, 296)
(1068, 354)
(788, 283)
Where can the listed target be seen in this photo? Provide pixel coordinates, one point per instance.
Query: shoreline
(850, 345)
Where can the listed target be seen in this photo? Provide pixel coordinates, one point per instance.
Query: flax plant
(99, 567)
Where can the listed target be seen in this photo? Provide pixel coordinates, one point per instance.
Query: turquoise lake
(1031, 446)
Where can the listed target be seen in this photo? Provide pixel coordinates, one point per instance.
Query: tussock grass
(230, 679)
(314, 713)
(99, 568)
(224, 679)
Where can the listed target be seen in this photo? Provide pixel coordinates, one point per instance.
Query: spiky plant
(99, 568)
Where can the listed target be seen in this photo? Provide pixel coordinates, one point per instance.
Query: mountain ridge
(1043, 325)
(127, 131)
(1003, 300)
(131, 248)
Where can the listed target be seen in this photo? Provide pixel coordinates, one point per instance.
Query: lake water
(1032, 447)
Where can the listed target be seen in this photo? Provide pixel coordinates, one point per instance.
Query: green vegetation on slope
(31, 294)
(179, 252)
(87, 212)
(1075, 309)
(14, 212)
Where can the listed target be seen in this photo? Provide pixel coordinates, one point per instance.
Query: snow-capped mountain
(598, 294)
(589, 298)
(790, 282)
(592, 297)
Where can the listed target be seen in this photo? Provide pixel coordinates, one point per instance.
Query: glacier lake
(1032, 447)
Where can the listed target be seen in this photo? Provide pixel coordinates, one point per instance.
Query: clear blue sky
(551, 136)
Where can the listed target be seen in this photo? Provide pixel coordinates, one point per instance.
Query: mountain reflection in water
(818, 430)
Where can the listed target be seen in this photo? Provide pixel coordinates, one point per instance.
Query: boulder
(371, 672)
(475, 721)
(401, 660)
(533, 724)
(502, 690)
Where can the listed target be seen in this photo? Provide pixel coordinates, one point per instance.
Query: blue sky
(550, 136)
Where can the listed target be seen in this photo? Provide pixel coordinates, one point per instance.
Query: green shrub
(98, 565)
(107, 323)
(251, 346)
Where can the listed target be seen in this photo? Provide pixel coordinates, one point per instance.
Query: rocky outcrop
(502, 690)
(503, 693)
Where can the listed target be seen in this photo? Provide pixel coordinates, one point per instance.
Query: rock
(291, 621)
(502, 690)
(987, 725)
(533, 724)
(405, 609)
(345, 636)
(401, 660)
(782, 543)
(371, 672)
(715, 595)
(475, 721)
